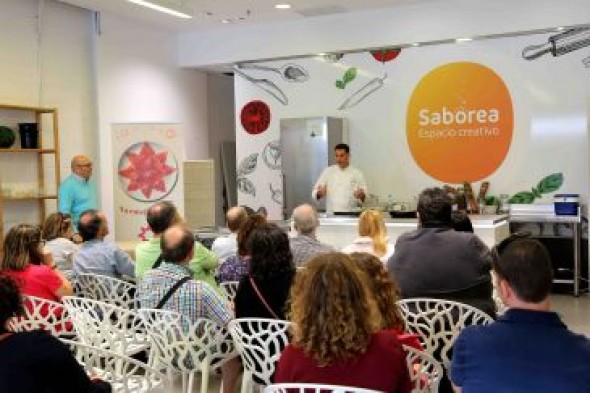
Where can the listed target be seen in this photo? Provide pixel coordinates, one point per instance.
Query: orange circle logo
(459, 122)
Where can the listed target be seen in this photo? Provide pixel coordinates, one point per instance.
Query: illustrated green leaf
(550, 183)
(522, 197)
(340, 84)
(349, 75)
(536, 192)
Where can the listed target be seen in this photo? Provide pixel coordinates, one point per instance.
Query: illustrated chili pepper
(385, 55)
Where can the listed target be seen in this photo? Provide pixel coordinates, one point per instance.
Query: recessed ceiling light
(560, 28)
(463, 39)
(225, 21)
(282, 6)
(415, 44)
(164, 6)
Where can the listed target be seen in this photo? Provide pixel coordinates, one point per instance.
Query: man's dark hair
(176, 252)
(435, 207)
(11, 301)
(525, 264)
(161, 216)
(270, 252)
(342, 146)
(89, 227)
(461, 221)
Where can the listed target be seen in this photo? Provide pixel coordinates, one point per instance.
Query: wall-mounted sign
(459, 122)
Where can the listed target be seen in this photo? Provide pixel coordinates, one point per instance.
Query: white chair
(425, 371)
(439, 322)
(230, 287)
(185, 346)
(107, 326)
(44, 314)
(107, 289)
(313, 388)
(259, 342)
(126, 375)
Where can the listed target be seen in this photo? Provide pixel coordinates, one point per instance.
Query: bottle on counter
(390, 202)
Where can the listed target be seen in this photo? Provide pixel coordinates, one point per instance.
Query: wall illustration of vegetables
(246, 167)
(349, 76)
(547, 185)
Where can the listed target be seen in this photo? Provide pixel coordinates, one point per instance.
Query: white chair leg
(246, 382)
(184, 382)
(205, 378)
(191, 379)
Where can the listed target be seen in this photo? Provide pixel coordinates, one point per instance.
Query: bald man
(227, 246)
(305, 245)
(77, 193)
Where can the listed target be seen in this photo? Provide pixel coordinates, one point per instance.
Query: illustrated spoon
(289, 72)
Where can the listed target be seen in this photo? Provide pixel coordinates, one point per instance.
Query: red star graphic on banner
(147, 170)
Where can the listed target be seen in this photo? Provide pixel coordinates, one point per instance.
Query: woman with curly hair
(32, 267)
(336, 331)
(57, 232)
(386, 294)
(373, 236)
(32, 362)
(264, 291)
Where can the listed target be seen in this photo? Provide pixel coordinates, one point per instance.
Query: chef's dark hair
(342, 146)
(435, 207)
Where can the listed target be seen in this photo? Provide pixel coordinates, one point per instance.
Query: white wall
(139, 81)
(422, 22)
(44, 64)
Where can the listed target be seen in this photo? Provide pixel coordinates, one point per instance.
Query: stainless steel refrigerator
(307, 148)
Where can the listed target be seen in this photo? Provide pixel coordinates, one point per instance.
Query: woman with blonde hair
(31, 266)
(386, 294)
(336, 331)
(57, 232)
(373, 236)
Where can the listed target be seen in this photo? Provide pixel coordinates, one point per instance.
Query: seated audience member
(227, 246)
(194, 299)
(234, 268)
(461, 221)
(263, 293)
(336, 331)
(97, 256)
(545, 356)
(305, 245)
(34, 361)
(373, 237)
(57, 232)
(385, 291)
(161, 216)
(436, 261)
(31, 266)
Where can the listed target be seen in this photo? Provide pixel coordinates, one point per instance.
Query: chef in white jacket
(342, 185)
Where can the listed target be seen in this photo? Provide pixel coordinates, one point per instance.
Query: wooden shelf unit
(40, 152)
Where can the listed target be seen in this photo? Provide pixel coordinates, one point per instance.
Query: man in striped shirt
(194, 299)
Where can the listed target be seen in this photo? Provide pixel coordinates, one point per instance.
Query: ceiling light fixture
(165, 6)
(463, 39)
(282, 6)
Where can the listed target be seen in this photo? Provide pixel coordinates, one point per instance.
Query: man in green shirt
(161, 216)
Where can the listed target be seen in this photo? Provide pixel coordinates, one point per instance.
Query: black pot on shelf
(29, 135)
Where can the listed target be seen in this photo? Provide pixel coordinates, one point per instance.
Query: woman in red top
(336, 336)
(31, 266)
(386, 293)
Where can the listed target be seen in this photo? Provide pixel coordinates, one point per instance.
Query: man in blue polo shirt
(528, 349)
(77, 193)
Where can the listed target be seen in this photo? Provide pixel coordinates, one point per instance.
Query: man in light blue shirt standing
(77, 193)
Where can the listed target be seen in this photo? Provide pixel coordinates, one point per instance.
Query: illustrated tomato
(255, 117)
(385, 55)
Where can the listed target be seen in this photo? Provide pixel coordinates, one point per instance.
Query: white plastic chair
(439, 322)
(187, 347)
(107, 326)
(425, 371)
(44, 314)
(313, 388)
(259, 342)
(106, 289)
(230, 287)
(125, 374)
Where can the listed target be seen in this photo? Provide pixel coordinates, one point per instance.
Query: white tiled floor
(575, 312)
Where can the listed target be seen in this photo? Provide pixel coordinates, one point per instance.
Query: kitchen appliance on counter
(307, 146)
